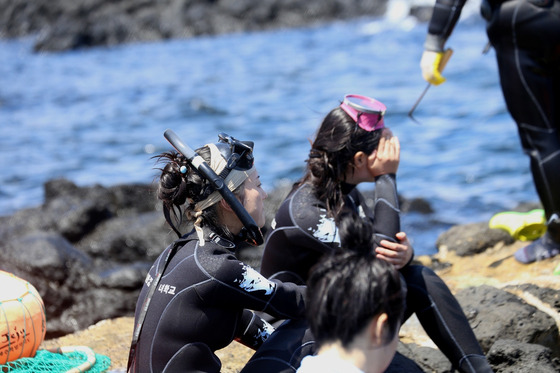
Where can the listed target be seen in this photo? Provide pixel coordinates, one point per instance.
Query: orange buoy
(22, 318)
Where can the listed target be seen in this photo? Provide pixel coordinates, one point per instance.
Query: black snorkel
(251, 233)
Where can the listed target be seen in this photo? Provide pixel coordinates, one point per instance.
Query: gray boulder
(69, 24)
(470, 239)
(86, 250)
(511, 356)
(497, 314)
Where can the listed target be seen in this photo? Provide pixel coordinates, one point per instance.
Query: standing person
(526, 37)
(357, 333)
(351, 147)
(203, 299)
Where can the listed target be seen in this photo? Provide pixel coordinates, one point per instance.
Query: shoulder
(303, 194)
(356, 195)
(215, 254)
(301, 207)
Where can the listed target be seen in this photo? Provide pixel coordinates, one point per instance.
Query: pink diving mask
(366, 112)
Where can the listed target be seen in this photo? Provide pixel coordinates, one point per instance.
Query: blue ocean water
(97, 116)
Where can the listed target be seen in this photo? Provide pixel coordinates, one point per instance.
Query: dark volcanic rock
(86, 250)
(497, 314)
(71, 24)
(511, 356)
(133, 238)
(470, 239)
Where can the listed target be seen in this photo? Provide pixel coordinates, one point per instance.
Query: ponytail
(180, 188)
(336, 142)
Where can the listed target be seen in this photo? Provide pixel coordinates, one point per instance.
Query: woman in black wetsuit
(202, 301)
(352, 146)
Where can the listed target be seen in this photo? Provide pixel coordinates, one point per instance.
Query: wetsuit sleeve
(445, 15)
(386, 213)
(244, 287)
(253, 330)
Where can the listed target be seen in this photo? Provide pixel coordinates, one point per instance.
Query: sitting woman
(351, 147)
(355, 304)
(197, 297)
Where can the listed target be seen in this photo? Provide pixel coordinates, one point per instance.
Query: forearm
(386, 212)
(445, 15)
(253, 330)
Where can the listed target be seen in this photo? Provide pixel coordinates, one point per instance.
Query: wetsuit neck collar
(210, 236)
(218, 240)
(346, 188)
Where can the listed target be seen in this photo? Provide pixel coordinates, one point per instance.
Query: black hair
(181, 191)
(337, 140)
(347, 289)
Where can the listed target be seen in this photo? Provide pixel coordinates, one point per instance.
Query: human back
(304, 233)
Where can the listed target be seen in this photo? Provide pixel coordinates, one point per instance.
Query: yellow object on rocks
(524, 226)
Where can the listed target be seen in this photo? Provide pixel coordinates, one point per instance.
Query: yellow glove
(433, 63)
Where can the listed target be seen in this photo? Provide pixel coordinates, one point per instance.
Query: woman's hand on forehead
(387, 156)
(387, 133)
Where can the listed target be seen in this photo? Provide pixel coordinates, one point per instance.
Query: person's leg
(443, 319)
(526, 38)
(283, 351)
(194, 357)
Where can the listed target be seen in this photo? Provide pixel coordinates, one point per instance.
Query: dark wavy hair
(347, 289)
(180, 192)
(337, 140)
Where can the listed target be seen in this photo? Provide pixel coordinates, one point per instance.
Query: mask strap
(232, 181)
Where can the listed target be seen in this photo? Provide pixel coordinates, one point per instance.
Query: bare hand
(396, 253)
(385, 160)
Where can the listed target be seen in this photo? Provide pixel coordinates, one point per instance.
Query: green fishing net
(45, 361)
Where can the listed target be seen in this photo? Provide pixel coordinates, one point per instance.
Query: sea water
(97, 116)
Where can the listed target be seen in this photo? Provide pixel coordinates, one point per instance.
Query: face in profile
(254, 197)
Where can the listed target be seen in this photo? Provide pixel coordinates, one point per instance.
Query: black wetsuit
(526, 37)
(202, 303)
(303, 232)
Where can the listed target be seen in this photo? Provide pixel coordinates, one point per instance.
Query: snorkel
(250, 233)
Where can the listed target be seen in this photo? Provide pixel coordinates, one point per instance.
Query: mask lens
(367, 112)
(241, 153)
(365, 104)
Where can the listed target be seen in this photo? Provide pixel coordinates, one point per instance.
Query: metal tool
(445, 58)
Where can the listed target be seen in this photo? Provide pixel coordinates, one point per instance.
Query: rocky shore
(87, 249)
(60, 25)
(68, 24)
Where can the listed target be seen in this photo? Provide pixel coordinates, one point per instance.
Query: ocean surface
(97, 116)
